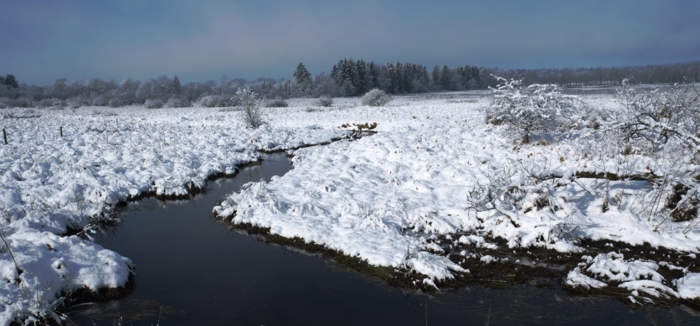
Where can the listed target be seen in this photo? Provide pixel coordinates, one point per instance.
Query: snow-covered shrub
(153, 103)
(21, 102)
(664, 124)
(325, 101)
(532, 109)
(212, 101)
(100, 100)
(176, 102)
(76, 102)
(276, 103)
(50, 103)
(250, 103)
(376, 97)
(115, 102)
(661, 117)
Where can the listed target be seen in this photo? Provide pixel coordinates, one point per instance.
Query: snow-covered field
(384, 198)
(52, 188)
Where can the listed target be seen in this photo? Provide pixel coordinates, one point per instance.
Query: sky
(42, 40)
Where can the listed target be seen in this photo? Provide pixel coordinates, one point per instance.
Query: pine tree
(302, 79)
(361, 84)
(446, 78)
(177, 87)
(11, 82)
(373, 76)
(436, 77)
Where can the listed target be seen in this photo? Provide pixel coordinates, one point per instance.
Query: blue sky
(201, 40)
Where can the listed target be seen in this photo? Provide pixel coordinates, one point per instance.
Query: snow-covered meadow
(55, 188)
(403, 198)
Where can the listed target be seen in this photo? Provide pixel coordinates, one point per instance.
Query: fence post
(4, 135)
(61, 131)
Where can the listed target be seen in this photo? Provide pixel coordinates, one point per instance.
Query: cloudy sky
(200, 40)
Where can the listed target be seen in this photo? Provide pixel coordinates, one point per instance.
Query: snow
(476, 240)
(639, 277)
(689, 286)
(382, 198)
(50, 185)
(577, 279)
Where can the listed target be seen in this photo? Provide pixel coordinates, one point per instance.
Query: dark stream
(193, 270)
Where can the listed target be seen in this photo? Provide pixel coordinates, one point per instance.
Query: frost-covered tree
(532, 109)
(376, 97)
(250, 103)
(325, 101)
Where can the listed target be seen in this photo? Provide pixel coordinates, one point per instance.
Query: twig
(9, 249)
(606, 200)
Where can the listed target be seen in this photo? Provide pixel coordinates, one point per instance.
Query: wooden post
(4, 135)
(61, 131)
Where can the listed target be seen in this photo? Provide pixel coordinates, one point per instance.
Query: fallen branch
(602, 175)
(12, 255)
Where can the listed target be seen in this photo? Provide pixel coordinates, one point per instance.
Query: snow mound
(640, 278)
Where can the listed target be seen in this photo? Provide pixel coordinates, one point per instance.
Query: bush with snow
(100, 100)
(276, 103)
(50, 103)
(176, 102)
(664, 125)
(153, 103)
(527, 110)
(212, 101)
(640, 158)
(76, 102)
(325, 101)
(250, 103)
(376, 97)
(660, 118)
(115, 102)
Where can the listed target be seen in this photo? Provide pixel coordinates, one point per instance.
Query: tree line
(348, 77)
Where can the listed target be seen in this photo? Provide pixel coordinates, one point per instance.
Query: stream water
(192, 269)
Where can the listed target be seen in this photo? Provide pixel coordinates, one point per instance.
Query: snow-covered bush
(50, 103)
(76, 102)
(532, 109)
(176, 102)
(250, 103)
(325, 101)
(664, 124)
(21, 102)
(115, 102)
(276, 103)
(661, 117)
(153, 103)
(376, 97)
(100, 100)
(212, 101)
